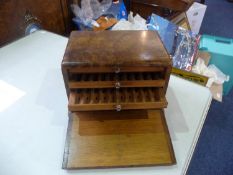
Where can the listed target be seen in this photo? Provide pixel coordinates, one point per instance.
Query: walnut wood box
(116, 70)
(124, 71)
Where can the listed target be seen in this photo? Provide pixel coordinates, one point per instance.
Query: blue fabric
(218, 19)
(214, 152)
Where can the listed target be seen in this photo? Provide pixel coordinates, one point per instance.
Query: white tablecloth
(33, 112)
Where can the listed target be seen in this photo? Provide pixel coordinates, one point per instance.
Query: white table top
(34, 116)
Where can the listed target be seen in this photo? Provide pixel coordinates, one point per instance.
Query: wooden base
(117, 139)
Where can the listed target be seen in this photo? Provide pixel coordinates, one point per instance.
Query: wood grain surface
(117, 139)
(110, 99)
(116, 70)
(111, 48)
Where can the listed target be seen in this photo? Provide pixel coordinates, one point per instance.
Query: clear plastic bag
(133, 23)
(90, 10)
(220, 76)
(99, 8)
(181, 44)
(186, 47)
(215, 75)
(83, 15)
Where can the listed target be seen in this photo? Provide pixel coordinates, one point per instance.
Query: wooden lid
(108, 48)
(177, 5)
(117, 139)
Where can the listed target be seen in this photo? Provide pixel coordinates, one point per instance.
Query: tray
(116, 99)
(109, 80)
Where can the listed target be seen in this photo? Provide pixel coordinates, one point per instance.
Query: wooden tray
(109, 80)
(117, 99)
(117, 139)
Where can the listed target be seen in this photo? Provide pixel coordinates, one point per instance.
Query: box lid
(117, 139)
(177, 5)
(109, 48)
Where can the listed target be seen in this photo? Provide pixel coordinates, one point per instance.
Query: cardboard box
(197, 78)
(204, 55)
(217, 91)
(182, 21)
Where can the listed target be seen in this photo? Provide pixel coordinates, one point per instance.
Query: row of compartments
(110, 99)
(108, 80)
(132, 76)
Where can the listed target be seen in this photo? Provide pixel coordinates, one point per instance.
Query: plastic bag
(214, 74)
(83, 15)
(90, 10)
(133, 23)
(99, 8)
(220, 76)
(181, 44)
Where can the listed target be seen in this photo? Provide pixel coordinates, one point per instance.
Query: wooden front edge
(112, 84)
(171, 149)
(104, 69)
(112, 106)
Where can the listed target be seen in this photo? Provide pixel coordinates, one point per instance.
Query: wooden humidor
(116, 70)
(116, 83)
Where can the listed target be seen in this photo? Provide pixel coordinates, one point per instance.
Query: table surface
(34, 116)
